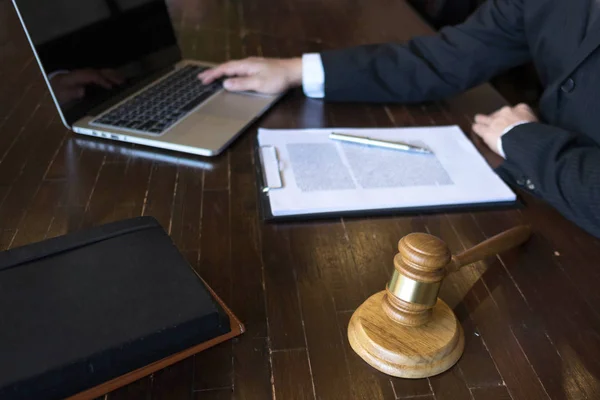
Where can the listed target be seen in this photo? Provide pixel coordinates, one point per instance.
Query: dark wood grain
(139, 390)
(491, 393)
(450, 385)
(6, 238)
(252, 378)
(530, 316)
(291, 375)
(250, 352)
(161, 193)
(317, 290)
(37, 220)
(187, 208)
(131, 199)
(174, 382)
(213, 394)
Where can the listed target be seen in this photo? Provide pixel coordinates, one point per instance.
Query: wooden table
(531, 316)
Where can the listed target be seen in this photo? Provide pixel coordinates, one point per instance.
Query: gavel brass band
(413, 291)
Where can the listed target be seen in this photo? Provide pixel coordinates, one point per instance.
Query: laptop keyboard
(161, 106)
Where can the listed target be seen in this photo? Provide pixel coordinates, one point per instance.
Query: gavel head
(420, 267)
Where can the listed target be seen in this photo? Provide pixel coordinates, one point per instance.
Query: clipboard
(266, 213)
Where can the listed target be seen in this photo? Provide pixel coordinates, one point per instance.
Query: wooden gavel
(406, 330)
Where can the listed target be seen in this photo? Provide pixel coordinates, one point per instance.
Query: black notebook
(86, 308)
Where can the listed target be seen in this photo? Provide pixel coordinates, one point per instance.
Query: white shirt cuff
(313, 76)
(504, 132)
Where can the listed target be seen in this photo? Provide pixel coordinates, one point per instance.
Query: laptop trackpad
(218, 121)
(237, 106)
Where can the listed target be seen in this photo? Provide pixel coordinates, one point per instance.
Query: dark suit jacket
(560, 156)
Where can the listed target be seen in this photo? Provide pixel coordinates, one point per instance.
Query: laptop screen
(94, 51)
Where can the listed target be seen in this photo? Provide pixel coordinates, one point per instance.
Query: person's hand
(71, 85)
(490, 127)
(262, 75)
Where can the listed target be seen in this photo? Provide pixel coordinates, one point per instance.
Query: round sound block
(406, 351)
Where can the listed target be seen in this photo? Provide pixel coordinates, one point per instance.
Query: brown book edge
(237, 328)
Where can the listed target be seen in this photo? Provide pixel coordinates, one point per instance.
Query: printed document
(315, 174)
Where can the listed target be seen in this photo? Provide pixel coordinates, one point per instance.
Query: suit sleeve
(561, 167)
(431, 67)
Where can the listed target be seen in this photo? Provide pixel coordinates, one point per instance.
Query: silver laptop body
(132, 39)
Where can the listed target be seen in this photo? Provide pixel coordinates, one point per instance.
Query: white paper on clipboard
(315, 174)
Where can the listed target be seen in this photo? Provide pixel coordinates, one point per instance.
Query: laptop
(115, 71)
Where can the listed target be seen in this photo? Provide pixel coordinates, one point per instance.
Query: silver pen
(379, 143)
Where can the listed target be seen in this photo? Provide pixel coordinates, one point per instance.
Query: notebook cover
(91, 311)
(266, 213)
(236, 329)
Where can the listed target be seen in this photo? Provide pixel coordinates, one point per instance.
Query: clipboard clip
(271, 172)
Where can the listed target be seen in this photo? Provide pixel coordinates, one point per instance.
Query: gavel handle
(494, 245)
